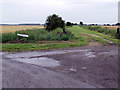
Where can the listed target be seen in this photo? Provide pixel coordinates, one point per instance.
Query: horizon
(65, 22)
(44, 23)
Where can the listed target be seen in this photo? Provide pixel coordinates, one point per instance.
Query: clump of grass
(39, 35)
(8, 37)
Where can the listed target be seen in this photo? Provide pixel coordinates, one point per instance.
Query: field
(12, 29)
(83, 36)
(109, 27)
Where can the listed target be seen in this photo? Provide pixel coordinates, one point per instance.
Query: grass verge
(80, 30)
(38, 46)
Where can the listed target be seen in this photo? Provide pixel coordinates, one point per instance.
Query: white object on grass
(22, 35)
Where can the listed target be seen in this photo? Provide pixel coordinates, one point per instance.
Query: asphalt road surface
(81, 67)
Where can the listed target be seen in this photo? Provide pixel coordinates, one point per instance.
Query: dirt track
(81, 67)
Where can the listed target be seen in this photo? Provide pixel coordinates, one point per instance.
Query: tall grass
(8, 37)
(39, 35)
(111, 32)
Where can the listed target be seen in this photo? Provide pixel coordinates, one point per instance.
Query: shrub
(68, 24)
(81, 23)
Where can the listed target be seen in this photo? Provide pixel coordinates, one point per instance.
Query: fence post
(118, 33)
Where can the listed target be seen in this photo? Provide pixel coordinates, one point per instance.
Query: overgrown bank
(38, 35)
(111, 32)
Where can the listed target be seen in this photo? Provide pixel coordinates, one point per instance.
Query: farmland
(109, 27)
(14, 28)
(41, 39)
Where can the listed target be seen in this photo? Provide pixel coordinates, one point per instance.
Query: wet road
(24, 75)
(82, 67)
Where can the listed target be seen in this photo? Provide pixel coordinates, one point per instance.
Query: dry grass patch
(12, 29)
(109, 27)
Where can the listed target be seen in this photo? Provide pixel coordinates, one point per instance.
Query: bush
(68, 24)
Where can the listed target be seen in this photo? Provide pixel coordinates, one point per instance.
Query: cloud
(90, 11)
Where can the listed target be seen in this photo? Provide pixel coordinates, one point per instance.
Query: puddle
(73, 70)
(111, 52)
(74, 51)
(90, 54)
(43, 61)
(38, 53)
(108, 41)
(30, 57)
(33, 54)
(26, 55)
(2, 53)
(85, 53)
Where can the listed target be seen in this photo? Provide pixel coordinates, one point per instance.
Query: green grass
(111, 32)
(76, 31)
(37, 46)
(79, 30)
(38, 35)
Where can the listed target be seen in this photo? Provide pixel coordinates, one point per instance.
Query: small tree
(68, 24)
(53, 22)
(74, 23)
(81, 23)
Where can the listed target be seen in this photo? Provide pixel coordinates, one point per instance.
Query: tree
(81, 23)
(108, 24)
(74, 23)
(68, 24)
(53, 22)
(118, 24)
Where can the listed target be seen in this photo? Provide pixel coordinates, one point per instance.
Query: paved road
(83, 67)
(23, 75)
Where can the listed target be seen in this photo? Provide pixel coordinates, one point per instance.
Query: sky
(36, 11)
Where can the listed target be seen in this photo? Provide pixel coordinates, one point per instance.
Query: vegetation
(74, 24)
(111, 32)
(77, 36)
(39, 46)
(68, 24)
(14, 28)
(38, 35)
(118, 33)
(53, 22)
(81, 23)
(56, 35)
(8, 37)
